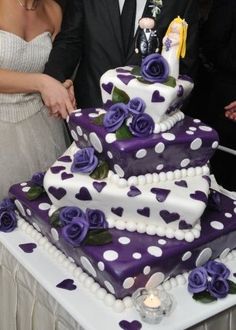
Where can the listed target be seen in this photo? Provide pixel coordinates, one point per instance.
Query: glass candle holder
(152, 304)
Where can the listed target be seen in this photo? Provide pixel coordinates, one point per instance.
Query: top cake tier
(161, 99)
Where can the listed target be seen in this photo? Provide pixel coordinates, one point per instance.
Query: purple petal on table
(125, 78)
(57, 169)
(169, 217)
(117, 210)
(181, 183)
(99, 185)
(199, 196)
(67, 284)
(184, 225)
(145, 212)
(65, 176)
(161, 194)
(65, 159)
(134, 325)
(83, 194)
(156, 97)
(134, 191)
(28, 247)
(58, 193)
(107, 87)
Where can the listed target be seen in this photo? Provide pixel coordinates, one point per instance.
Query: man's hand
(230, 112)
(68, 84)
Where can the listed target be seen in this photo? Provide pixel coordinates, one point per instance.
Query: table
(30, 298)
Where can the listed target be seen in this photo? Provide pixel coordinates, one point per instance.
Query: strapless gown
(30, 140)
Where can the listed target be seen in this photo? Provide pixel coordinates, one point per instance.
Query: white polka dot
(28, 211)
(159, 148)
(185, 162)
(189, 132)
(228, 215)
(95, 141)
(192, 129)
(101, 266)
(217, 225)
(196, 120)
(85, 137)
(205, 128)
(155, 251)
(55, 234)
(137, 255)
(119, 170)
(155, 280)
(159, 167)
(162, 241)
(88, 266)
(215, 144)
(78, 114)
(235, 210)
(93, 115)
(141, 153)
(146, 270)
(109, 154)
(128, 283)
(110, 138)
(74, 135)
(20, 207)
(186, 256)
(196, 144)
(79, 130)
(44, 206)
(36, 226)
(109, 287)
(168, 136)
(224, 253)
(110, 255)
(203, 257)
(124, 240)
(23, 184)
(25, 189)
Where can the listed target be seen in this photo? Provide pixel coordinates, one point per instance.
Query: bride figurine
(174, 44)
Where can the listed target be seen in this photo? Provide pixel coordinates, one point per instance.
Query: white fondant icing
(128, 283)
(168, 136)
(44, 206)
(109, 287)
(25, 189)
(225, 253)
(88, 266)
(187, 255)
(196, 144)
(146, 270)
(141, 153)
(109, 154)
(95, 141)
(110, 138)
(20, 207)
(203, 257)
(23, 184)
(228, 215)
(205, 128)
(74, 135)
(28, 211)
(124, 240)
(215, 144)
(137, 255)
(155, 251)
(101, 266)
(79, 130)
(185, 162)
(110, 255)
(217, 225)
(119, 170)
(155, 280)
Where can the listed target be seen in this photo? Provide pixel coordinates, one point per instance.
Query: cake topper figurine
(174, 44)
(147, 41)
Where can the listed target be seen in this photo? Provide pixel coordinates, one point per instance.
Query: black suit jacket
(91, 36)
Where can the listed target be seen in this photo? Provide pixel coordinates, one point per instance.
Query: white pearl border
(168, 123)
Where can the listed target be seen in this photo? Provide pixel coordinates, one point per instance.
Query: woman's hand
(230, 112)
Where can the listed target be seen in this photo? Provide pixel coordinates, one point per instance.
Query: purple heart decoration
(121, 70)
(99, 185)
(156, 97)
(169, 217)
(125, 78)
(58, 193)
(144, 212)
(28, 247)
(67, 284)
(199, 196)
(117, 210)
(184, 225)
(108, 87)
(83, 195)
(161, 194)
(134, 325)
(108, 104)
(180, 91)
(181, 183)
(134, 191)
(65, 176)
(214, 200)
(65, 159)
(57, 169)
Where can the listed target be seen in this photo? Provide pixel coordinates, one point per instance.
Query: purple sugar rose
(37, 178)
(136, 106)
(197, 280)
(96, 219)
(217, 268)
(7, 204)
(8, 221)
(67, 214)
(115, 117)
(142, 125)
(155, 68)
(76, 231)
(84, 161)
(218, 287)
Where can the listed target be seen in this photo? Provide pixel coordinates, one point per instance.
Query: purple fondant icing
(83, 194)
(199, 196)
(117, 210)
(125, 78)
(58, 193)
(156, 97)
(145, 212)
(67, 284)
(65, 176)
(134, 191)
(169, 217)
(161, 194)
(181, 183)
(184, 225)
(57, 169)
(28, 247)
(99, 185)
(134, 325)
(65, 159)
(108, 87)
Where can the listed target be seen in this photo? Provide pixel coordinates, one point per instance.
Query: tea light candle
(152, 301)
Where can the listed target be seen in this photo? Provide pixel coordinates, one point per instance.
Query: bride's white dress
(30, 140)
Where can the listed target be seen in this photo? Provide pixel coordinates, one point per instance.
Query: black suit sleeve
(67, 46)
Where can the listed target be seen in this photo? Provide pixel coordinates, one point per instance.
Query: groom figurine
(92, 41)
